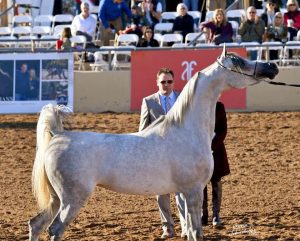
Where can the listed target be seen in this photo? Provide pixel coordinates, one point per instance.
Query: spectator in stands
(252, 29)
(191, 4)
(151, 10)
(292, 18)
(148, 39)
(219, 30)
(64, 42)
(183, 23)
(268, 16)
(276, 32)
(110, 14)
(84, 23)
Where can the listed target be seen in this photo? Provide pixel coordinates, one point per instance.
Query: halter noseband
(237, 66)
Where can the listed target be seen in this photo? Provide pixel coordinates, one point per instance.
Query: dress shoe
(168, 233)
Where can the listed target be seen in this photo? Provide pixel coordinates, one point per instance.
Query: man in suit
(152, 108)
(221, 167)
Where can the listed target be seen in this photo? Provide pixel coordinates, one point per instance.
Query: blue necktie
(168, 104)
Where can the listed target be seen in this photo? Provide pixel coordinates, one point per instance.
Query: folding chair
(61, 19)
(197, 18)
(21, 20)
(5, 31)
(250, 46)
(127, 39)
(191, 36)
(235, 15)
(79, 40)
(272, 45)
(122, 58)
(171, 38)
(100, 63)
(163, 28)
(168, 17)
(43, 20)
(294, 46)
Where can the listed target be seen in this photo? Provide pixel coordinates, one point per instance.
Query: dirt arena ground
(261, 196)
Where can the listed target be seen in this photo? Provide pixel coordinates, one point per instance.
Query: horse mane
(175, 116)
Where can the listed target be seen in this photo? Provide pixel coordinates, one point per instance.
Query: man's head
(251, 13)
(165, 81)
(85, 8)
(24, 68)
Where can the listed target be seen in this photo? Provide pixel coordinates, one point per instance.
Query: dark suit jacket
(221, 165)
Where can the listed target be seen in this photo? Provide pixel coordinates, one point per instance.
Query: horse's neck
(201, 115)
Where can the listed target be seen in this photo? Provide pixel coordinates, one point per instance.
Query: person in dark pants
(221, 167)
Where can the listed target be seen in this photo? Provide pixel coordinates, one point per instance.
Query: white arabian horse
(172, 155)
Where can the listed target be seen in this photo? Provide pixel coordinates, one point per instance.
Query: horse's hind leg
(71, 202)
(193, 207)
(39, 223)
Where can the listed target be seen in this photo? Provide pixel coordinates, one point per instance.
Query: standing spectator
(152, 108)
(268, 16)
(84, 23)
(183, 23)
(221, 167)
(292, 18)
(219, 30)
(151, 10)
(110, 14)
(191, 4)
(252, 29)
(148, 39)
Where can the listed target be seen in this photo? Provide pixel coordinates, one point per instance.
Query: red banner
(184, 63)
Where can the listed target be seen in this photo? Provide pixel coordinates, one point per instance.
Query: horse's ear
(224, 51)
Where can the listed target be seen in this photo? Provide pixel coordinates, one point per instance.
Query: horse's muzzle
(273, 70)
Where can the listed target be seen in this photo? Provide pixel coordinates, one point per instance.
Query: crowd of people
(140, 17)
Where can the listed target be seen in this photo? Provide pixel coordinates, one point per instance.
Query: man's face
(165, 83)
(23, 68)
(85, 8)
(251, 13)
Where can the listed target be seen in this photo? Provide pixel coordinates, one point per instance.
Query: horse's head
(250, 72)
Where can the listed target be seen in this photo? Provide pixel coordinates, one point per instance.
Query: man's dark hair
(165, 71)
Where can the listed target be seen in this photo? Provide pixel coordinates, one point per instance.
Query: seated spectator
(64, 42)
(84, 24)
(110, 14)
(219, 30)
(252, 29)
(148, 39)
(268, 16)
(292, 18)
(276, 32)
(183, 23)
(151, 10)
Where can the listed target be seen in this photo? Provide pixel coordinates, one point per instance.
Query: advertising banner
(28, 81)
(184, 63)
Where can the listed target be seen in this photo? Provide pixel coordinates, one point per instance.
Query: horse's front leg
(193, 207)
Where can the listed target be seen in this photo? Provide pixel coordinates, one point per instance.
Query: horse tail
(49, 123)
